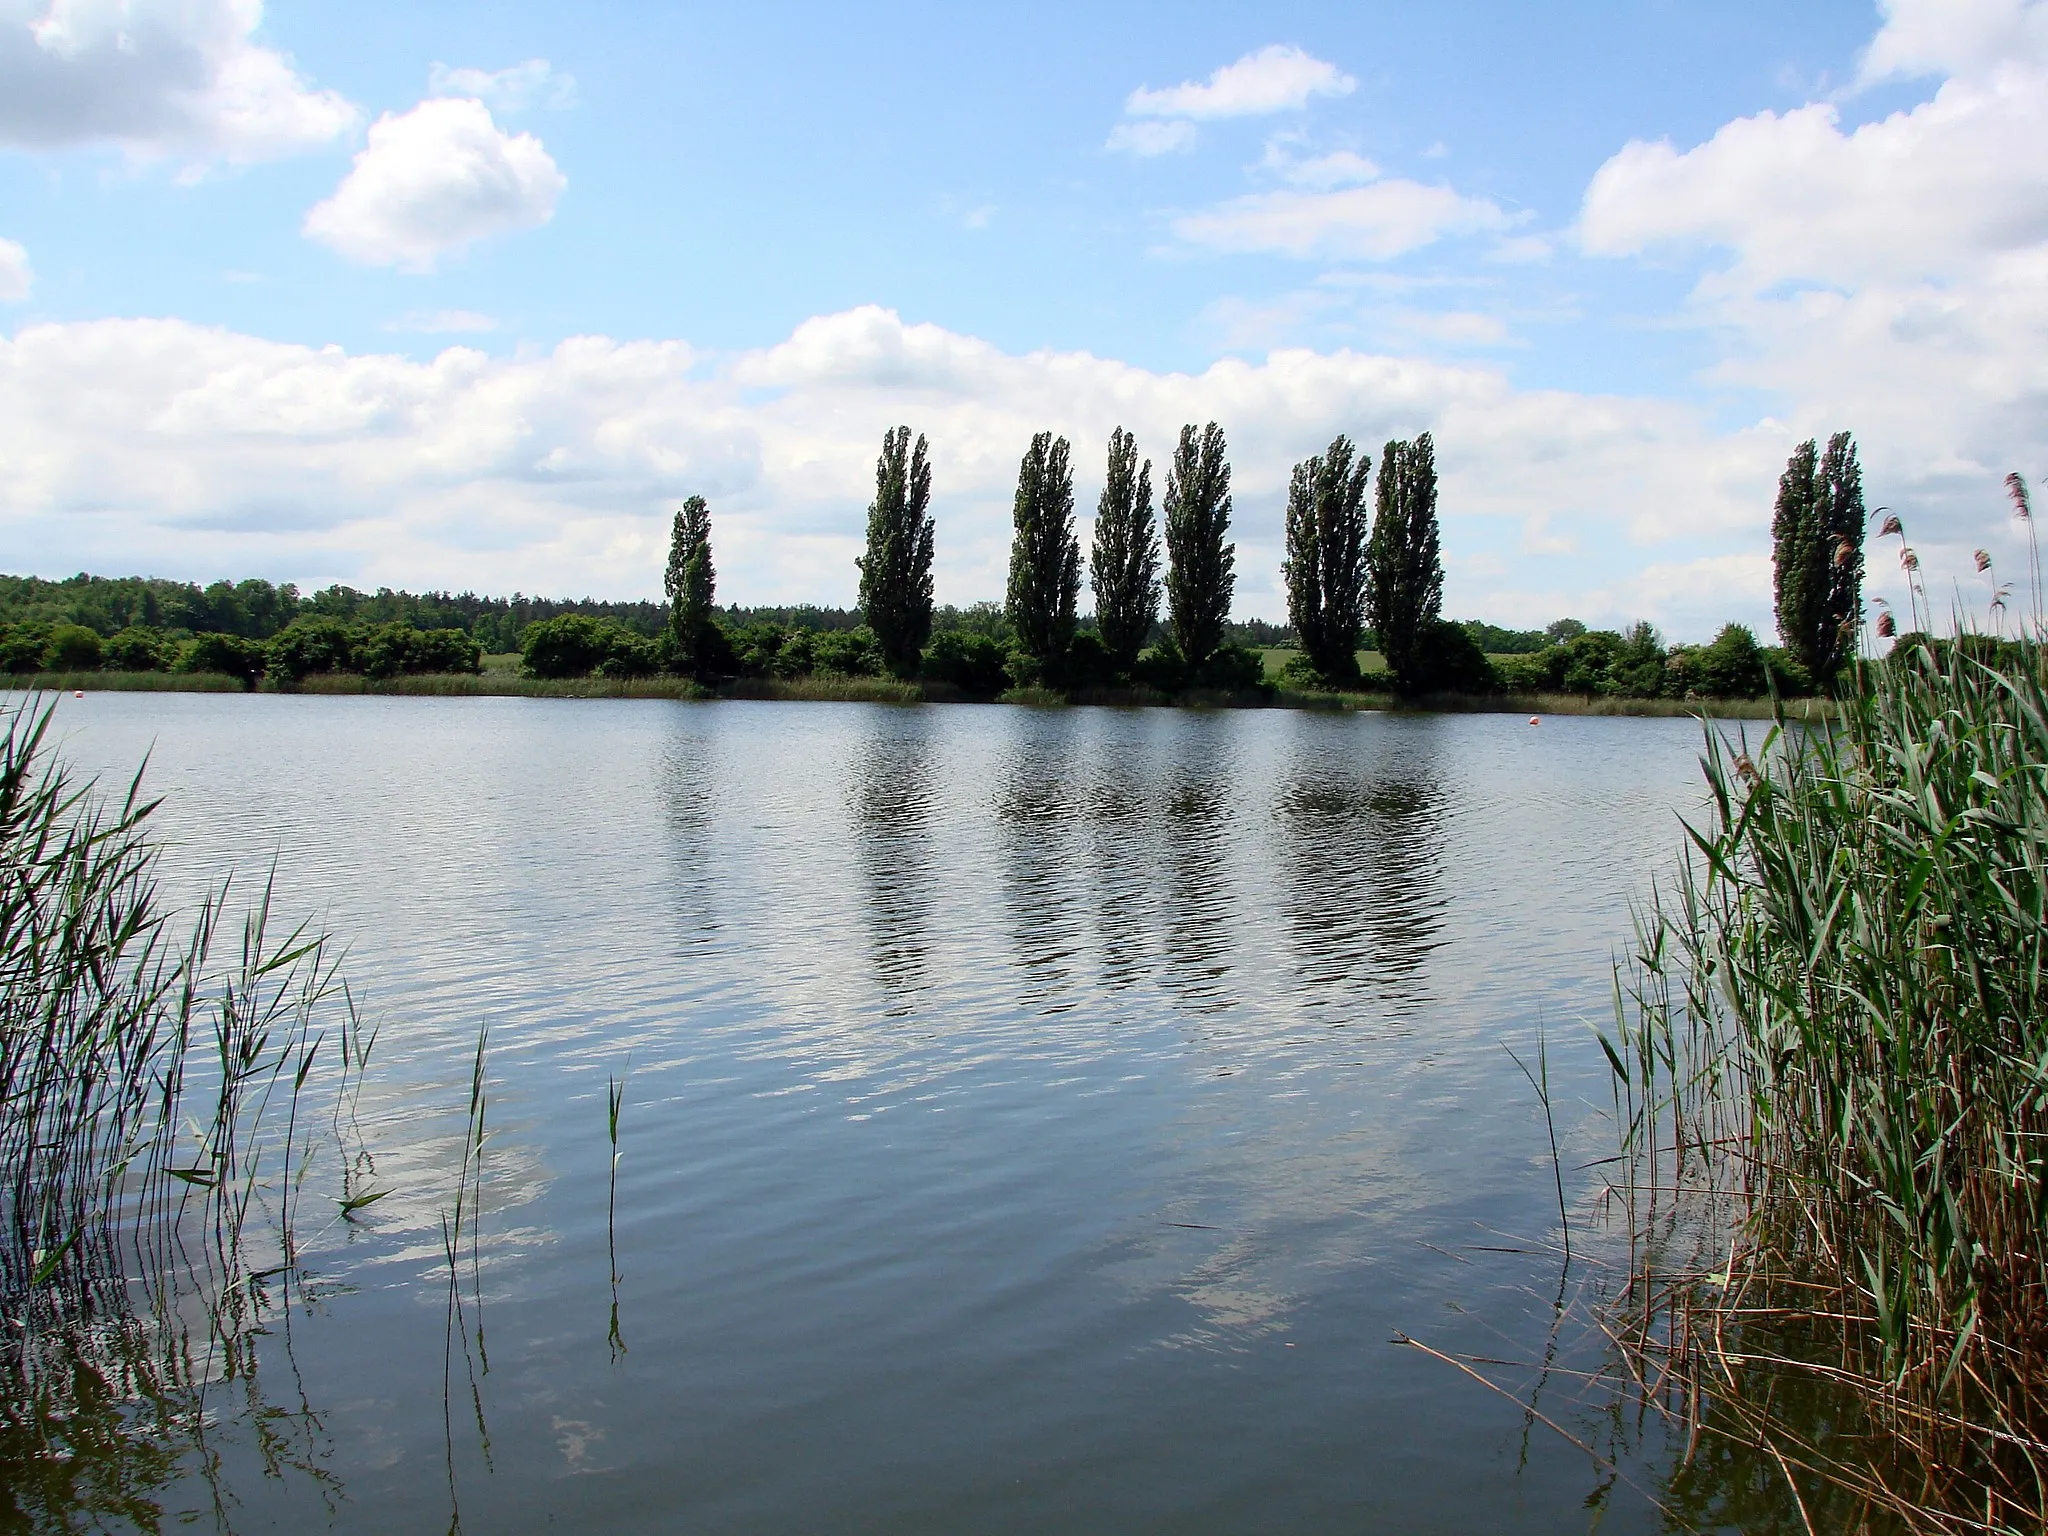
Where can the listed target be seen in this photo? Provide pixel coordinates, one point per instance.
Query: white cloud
(156, 444)
(444, 322)
(181, 78)
(433, 181)
(1151, 137)
(507, 90)
(1943, 37)
(1340, 168)
(15, 277)
(1891, 277)
(1375, 222)
(1278, 78)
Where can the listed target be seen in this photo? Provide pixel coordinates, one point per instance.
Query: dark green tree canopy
(1124, 564)
(1201, 575)
(1045, 557)
(896, 571)
(690, 583)
(1405, 587)
(1325, 566)
(1817, 554)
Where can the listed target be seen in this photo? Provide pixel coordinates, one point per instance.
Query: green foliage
(1563, 631)
(1733, 666)
(311, 645)
(138, 649)
(1495, 641)
(851, 653)
(1837, 1022)
(691, 583)
(577, 645)
(1405, 589)
(1448, 660)
(230, 655)
(1201, 577)
(1124, 563)
(1325, 568)
(896, 571)
(1045, 557)
(393, 650)
(22, 646)
(975, 664)
(72, 648)
(1817, 555)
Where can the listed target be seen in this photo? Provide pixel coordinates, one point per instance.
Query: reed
(1831, 1067)
(158, 1113)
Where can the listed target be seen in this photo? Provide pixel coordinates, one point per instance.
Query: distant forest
(257, 610)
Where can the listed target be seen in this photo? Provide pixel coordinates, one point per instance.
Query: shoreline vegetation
(1364, 582)
(888, 690)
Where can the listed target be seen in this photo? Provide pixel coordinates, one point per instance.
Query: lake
(1034, 1119)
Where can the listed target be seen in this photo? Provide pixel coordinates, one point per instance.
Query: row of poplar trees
(1344, 569)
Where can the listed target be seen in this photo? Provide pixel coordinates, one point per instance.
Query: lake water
(1034, 1121)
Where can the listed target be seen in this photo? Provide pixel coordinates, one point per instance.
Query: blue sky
(470, 296)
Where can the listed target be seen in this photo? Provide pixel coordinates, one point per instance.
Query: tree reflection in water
(1363, 881)
(892, 803)
(1035, 811)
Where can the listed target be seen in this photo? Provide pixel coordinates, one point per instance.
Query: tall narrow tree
(1201, 575)
(896, 571)
(690, 583)
(1405, 582)
(1817, 552)
(1325, 566)
(1124, 562)
(1045, 557)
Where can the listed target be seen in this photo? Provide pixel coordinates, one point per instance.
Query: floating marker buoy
(78, 693)
(1534, 720)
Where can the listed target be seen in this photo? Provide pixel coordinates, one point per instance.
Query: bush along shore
(1363, 575)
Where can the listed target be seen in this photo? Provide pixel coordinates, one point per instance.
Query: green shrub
(850, 652)
(1232, 669)
(73, 648)
(138, 649)
(391, 650)
(570, 645)
(1733, 666)
(973, 663)
(310, 645)
(1449, 660)
(22, 647)
(628, 655)
(229, 655)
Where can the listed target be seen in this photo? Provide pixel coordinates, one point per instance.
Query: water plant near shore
(1831, 1067)
(160, 1106)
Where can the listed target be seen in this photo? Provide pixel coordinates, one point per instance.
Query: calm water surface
(1037, 1120)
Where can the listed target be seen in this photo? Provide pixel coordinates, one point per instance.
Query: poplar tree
(1325, 566)
(1405, 580)
(1817, 551)
(1124, 563)
(1200, 574)
(896, 572)
(1045, 557)
(690, 584)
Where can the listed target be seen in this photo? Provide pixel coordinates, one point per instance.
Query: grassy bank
(507, 683)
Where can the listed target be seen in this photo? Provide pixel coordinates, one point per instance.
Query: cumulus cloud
(1375, 222)
(15, 277)
(434, 181)
(536, 82)
(1278, 78)
(1150, 136)
(1890, 277)
(181, 78)
(158, 444)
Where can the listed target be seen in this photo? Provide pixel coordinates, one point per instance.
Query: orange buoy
(78, 693)
(1533, 720)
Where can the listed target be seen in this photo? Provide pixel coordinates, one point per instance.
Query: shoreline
(881, 690)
